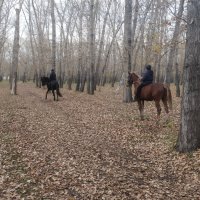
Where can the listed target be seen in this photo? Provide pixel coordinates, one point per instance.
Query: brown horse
(152, 92)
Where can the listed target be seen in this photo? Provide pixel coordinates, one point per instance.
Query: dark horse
(152, 92)
(51, 85)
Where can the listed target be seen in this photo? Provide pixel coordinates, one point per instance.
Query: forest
(111, 134)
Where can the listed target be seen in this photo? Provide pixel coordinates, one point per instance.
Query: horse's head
(132, 78)
(44, 80)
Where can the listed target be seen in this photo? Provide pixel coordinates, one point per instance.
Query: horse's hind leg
(46, 94)
(53, 95)
(166, 108)
(158, 107)
(165, 105)
(57, 93)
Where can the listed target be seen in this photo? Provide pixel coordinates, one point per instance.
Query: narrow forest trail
(90, 147)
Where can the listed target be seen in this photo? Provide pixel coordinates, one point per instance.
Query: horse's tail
(169, 96)
(58, 92)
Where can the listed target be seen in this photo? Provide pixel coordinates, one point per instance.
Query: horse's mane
(134, 73)
(45, 78)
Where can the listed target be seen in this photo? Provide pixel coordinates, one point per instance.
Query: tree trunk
(168, 73)
(102, 42)
(141, 38)
(189, 135)
(53, 36)
(90, 80)
(41, 69)
(78, 81)
(31, 33)
(80, 48)
(127, 97)
(162, 30)
(83, 80)
(177, 81)
(15, 55)
(69, 80)
(151, 33)
(135, 19)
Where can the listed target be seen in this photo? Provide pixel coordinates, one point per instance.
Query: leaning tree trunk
(189, 135)
(127, 90)
(15, 55)
(168, 73)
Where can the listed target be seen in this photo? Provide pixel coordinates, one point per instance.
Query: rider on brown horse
(147, 79)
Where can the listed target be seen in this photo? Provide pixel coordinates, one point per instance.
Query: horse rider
(52, 75)
(147, 79)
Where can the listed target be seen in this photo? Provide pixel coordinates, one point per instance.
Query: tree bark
(41, 65)
(177, 81)
(15, 57)
(102, 41)
(162, 30)
(127, 97)
(168, 73)
(80, 49)
(90, 79)
(189, 135)
(135, 19)
(53, 36)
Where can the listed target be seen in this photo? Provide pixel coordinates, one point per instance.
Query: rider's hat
(148, 67)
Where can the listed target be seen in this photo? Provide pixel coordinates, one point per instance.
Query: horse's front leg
(53, 95)
(46, 93)
(141, 109)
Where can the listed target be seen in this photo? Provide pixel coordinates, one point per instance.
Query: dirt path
(90, 147)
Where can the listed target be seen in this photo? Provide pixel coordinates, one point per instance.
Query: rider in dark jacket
(52, 75)
(147, 79)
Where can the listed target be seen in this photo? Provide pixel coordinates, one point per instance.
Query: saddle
(139, 89)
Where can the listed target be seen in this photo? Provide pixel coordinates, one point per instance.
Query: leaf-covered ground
(90, 147)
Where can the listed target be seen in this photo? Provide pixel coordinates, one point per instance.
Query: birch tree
(127, 91)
